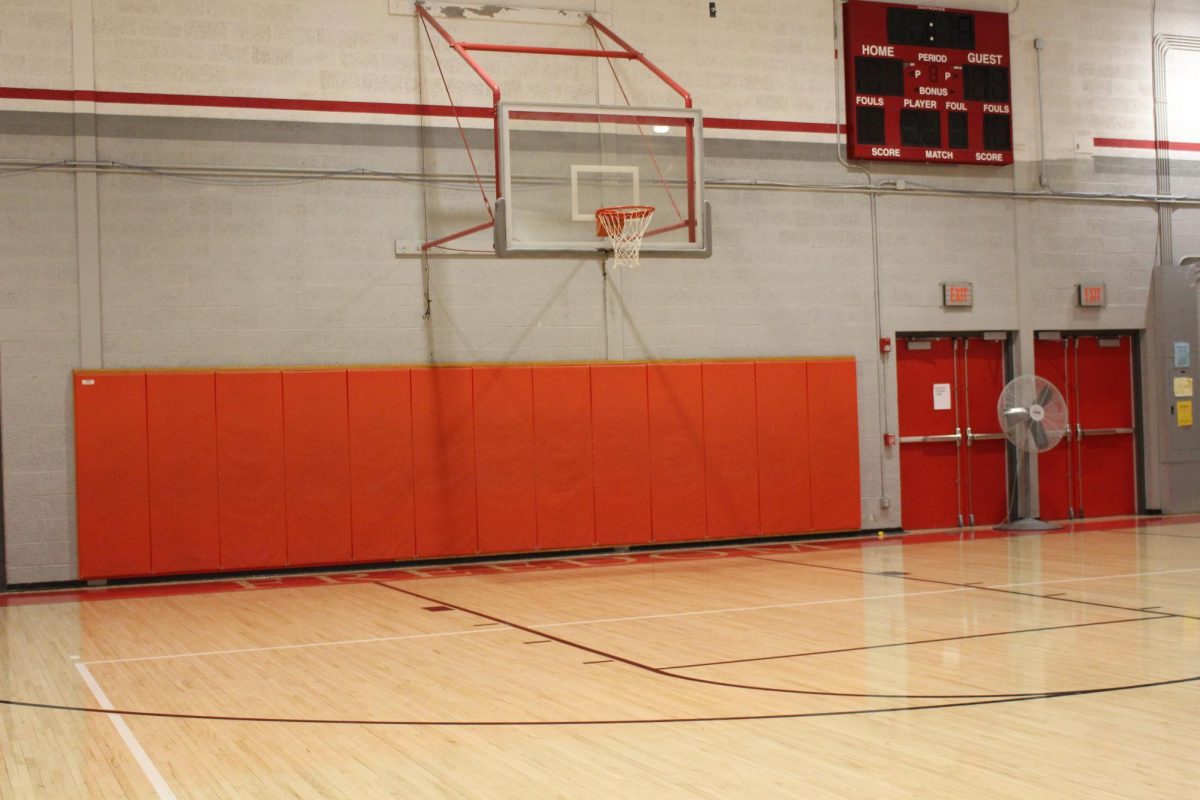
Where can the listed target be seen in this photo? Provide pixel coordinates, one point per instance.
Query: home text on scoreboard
(926, 83)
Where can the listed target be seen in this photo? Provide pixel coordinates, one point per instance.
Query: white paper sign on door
(941, 397)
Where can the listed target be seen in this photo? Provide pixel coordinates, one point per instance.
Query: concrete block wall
(36, 48)
(214, 270)
(39, 346)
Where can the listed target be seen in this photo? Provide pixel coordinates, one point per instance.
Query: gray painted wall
(222, 271)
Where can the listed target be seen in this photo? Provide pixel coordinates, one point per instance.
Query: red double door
(1093, 471)
(952, 453)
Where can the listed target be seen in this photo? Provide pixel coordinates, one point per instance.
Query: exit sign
(1092, 295)
(957, 295)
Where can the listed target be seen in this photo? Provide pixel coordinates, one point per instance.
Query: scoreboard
(925, 83)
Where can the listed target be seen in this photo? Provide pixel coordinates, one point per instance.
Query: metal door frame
(1006, 346)
(1139, 427)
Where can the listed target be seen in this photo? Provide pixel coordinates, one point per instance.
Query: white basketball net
(625, 226)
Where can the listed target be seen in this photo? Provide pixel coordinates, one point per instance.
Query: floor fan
(1033, 416)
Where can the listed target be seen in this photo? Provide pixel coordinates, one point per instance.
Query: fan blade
(1016, 414)
(1019, 435)
(1044, 396)
(1038, 434)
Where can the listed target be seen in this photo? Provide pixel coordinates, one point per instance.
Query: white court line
(1093, 578)
(336, 643)
(753, 608)
(135, 747)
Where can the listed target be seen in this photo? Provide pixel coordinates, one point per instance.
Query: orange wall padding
(621, 454)
(444, 462)
(677, 452)
(381, 464)
(784, 472)
(316, 440)
(254, 469)
(833, 445)
(111, 475)
(504, 459)
(731, 450)
(562, 445)
(181, 422)
(250, 470)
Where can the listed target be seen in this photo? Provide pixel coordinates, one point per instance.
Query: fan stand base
(1029, 524)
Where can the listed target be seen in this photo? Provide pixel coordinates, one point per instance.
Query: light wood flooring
(1062, 665)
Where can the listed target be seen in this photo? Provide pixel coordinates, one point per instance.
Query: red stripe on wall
(725, 123)
(224, 101)
(1146, 144)
(432, 110)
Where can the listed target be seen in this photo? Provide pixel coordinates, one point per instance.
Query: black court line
(582, 722)
(968, 702)
(974, 585)
(629, 662)
(916, 642)
(662, 672)
(1150, 533)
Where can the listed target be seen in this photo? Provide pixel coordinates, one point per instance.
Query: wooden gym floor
(1059, 665)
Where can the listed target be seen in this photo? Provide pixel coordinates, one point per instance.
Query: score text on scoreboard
(927, 84)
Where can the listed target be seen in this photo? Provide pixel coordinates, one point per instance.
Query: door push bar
(982, 437)
(1082, 432)
(944, 437)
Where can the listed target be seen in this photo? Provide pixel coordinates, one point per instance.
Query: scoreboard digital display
(925, 83)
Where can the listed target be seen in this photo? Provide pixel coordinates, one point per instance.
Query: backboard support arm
(464, 50)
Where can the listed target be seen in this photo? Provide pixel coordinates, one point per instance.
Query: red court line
(83, 595)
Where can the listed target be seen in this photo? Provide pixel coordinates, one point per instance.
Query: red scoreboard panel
(925, 83)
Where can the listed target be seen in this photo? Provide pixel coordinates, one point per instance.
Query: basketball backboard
(559, 164)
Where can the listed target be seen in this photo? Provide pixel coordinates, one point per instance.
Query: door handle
(1106, 431)
(945, 437)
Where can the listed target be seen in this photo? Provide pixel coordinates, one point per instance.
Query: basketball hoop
(624, 226)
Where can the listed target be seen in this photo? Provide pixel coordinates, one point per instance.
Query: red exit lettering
(957, 294)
